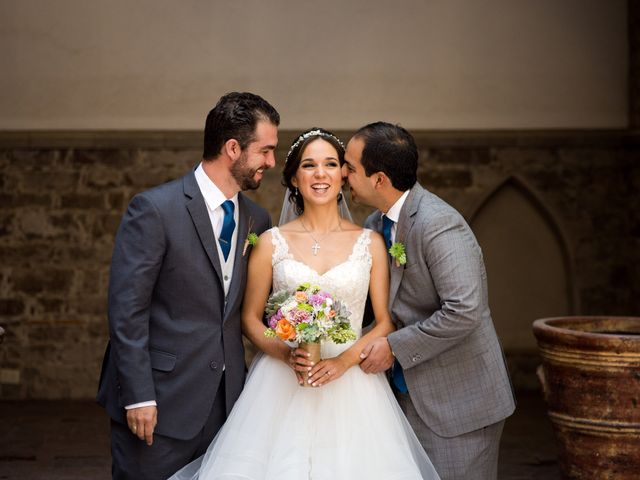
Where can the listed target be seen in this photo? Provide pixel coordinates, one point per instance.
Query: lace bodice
(347, 281)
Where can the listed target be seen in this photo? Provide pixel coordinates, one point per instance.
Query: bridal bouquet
(307, 315)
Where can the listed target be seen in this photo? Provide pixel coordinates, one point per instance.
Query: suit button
(213, 366)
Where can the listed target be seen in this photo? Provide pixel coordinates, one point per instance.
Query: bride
(348, 425)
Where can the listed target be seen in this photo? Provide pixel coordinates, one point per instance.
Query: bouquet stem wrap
(312, 348)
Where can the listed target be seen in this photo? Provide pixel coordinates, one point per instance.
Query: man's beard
(243, 175)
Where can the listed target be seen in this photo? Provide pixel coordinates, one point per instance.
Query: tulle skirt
(350, 428)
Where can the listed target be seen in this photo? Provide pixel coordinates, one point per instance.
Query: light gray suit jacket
(446, 342)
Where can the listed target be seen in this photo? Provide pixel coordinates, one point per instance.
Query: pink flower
(297, 315)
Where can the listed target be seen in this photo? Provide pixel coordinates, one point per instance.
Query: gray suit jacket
(170, 331)
(446, 343)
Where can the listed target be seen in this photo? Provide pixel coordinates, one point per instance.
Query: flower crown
(309, 134)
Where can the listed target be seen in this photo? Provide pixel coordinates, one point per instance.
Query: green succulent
(398, 252)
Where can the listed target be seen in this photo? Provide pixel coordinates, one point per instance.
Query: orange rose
(301, 297)
(285, 330)
(332, 313)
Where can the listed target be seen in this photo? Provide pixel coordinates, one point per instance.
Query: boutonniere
(398, 252)
(252, 239)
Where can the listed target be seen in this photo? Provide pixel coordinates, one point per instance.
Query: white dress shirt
(214, 199)
(394, 214)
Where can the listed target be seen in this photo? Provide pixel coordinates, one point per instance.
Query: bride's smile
(319, 176)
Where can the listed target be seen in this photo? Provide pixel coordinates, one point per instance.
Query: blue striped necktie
(228, 226)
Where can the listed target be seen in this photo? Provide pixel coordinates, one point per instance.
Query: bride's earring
(296, 193)
(340, 197)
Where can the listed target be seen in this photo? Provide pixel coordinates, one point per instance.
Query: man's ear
(232, 149)
(380, 180)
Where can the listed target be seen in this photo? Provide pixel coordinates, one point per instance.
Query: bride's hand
(327, 371)
(298, 361)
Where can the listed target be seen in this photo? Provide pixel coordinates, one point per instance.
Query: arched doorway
(527, 261)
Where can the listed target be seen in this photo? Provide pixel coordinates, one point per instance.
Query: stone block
(99, 330)
(54, 335)
(174, 160)
(102, 177)
(51, 305)
(45, 280)
(111, 158)
(11, 307)
(87, 280)
(436, 157)
(82, 201)
(12, 354)
(118, 201)
(12, 392)
(31, 159)
(49, 181)
(106, 224)
(91, 305)
(38, 224)
(447, 178)
(17, 200)
(143, 178)
(6, 223)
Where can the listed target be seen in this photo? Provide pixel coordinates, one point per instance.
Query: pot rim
(545, 330)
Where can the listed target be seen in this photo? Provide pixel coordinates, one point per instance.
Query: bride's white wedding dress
(350, 428)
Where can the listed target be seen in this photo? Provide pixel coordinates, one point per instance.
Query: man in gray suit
(447, 366)
(174, 365)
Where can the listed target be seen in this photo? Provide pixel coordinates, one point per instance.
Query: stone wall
(62, 197)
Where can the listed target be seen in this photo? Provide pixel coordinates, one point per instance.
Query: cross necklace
(316, 246)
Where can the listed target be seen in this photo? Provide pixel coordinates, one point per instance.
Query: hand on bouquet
(298, 360)
(327, 371)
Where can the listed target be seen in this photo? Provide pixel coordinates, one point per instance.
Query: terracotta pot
(314, 349)
(590, 376)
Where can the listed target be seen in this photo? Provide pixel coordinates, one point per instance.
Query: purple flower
(318, 299)
(273, 321)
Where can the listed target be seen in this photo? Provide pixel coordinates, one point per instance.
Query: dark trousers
(133, 459)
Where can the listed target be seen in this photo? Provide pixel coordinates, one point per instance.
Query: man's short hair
(392, 150)
(235, 116)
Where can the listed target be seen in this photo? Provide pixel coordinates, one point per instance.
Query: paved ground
(69, 440)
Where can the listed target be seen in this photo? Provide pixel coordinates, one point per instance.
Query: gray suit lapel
(200, 217)
(405, 223)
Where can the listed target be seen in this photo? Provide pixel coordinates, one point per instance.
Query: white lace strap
(280, 246)
(361, 247)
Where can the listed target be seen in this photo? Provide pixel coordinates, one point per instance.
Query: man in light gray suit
(446, 364)
(174, 365)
